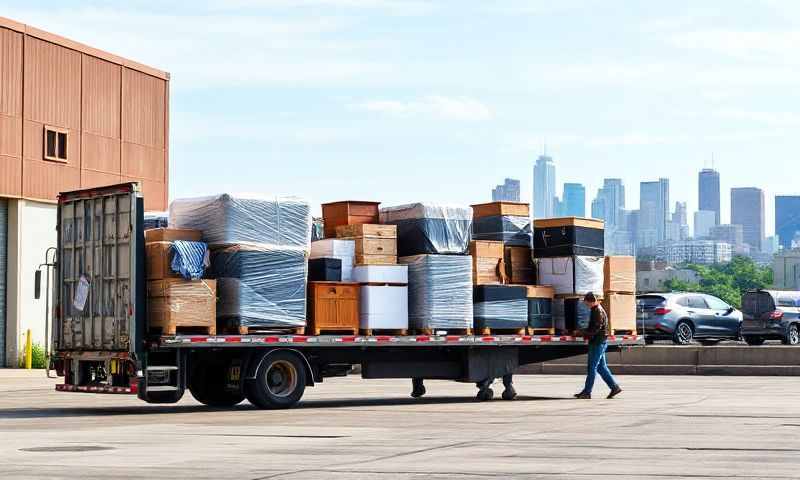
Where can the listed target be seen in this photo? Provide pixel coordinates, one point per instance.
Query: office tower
(747, 210)
(544, 187)
(599, 206)
(704, 220)
(508, 191)
(680, 224)
(574, 200)
(787, 219)
(733, 234)
(609, 205)
(653, 213)
(708, 192)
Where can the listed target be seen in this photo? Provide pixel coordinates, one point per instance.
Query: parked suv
(771, 315)
(682, 317)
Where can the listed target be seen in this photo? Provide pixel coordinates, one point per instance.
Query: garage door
(3, 269)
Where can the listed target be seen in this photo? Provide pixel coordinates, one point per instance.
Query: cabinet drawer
(376, 246)
(334, 290)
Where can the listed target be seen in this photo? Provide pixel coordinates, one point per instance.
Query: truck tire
(208, 384)
(792, 336)
(279, 382)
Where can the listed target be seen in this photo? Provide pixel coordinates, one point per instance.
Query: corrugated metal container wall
(101, 84)
(10, 113)
(3, 276)
(52, 97)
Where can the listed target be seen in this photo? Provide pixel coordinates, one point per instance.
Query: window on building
(55, 144)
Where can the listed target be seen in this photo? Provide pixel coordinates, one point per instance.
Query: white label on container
(81, 293)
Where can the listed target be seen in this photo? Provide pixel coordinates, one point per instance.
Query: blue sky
(401, 101)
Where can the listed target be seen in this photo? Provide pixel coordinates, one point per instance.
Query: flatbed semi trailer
(101, 342)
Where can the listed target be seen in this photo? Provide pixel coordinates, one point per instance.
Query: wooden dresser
(332, 308)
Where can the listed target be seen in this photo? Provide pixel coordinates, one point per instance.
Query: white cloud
(452, 108)
(740, 43)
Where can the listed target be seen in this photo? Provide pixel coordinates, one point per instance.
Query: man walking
(596, 333)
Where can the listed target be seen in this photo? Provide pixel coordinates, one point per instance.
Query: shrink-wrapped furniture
(561, 237)
(575, 275)
(500, 307)
(512, 230)
(427, 228)
(439, 291)
(540, 308)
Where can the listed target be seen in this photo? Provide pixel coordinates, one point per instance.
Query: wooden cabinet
(333, 307)
(349, 212)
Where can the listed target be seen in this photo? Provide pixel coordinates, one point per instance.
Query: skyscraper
(544, 187)
(653, 213)
(704, 221)
(679, 222)
(708, 192)
(507, 192)
(609, 205)
(747, 210)
(787, 219)
(574, 200)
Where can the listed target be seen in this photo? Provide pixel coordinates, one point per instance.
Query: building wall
(653, 280)
(747, 210)
(116, 117)
(787, 219)
(786, 270)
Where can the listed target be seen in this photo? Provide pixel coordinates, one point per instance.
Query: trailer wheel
(208, 385)
(279, 382)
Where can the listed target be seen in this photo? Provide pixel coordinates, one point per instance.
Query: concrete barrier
(773, 360)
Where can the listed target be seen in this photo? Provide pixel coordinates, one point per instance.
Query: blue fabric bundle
(190, 259)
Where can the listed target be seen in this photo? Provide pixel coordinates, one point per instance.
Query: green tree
(728, 281)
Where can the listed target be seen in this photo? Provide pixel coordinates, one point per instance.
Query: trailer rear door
(100, 270)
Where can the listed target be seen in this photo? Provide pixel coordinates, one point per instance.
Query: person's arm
(594, 323)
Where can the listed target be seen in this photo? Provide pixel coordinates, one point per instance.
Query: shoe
(583, 396)
(614, 392)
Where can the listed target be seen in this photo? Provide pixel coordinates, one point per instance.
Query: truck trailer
(101, 341)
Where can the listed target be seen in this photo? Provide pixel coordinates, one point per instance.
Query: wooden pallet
(240, 330)
(172, 329)
(501, 331)
(369, 332)
(541, 331)
(331, 331)
(450, 331)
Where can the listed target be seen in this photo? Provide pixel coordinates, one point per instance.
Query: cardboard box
(366, 230)
(159, 259)
(488, 266)
(621, 310)
(172, 234)
(177, 302)
(620, 274)
(516, 209)
(384, 307)
(519, 265)
(541, 291)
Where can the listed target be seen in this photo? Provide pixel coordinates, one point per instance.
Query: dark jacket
(598, 325)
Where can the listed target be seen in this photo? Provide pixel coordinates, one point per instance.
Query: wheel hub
(281, 378)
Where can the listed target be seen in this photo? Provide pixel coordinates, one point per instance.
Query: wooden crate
(519, 265)
(488, 266)
(619, 274)
(333, 307)
(177, 305)
(366, 230)
(515, 209)
(349, 212)
(621, 310)
(172, 234)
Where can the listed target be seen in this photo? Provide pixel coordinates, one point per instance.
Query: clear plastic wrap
(155, 220)
(424, 228)
(500, 307)
(540, 312)
(317, 229)
(228, 219)
(439, 291)
(260, 286)
(513, 231)
(576, 275)
(570, 314)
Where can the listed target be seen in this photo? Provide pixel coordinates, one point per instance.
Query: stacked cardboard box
(384, 298)
(373, 244)
(619, 297)
(175, 304)
(488, 265)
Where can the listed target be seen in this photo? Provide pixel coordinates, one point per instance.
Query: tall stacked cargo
(433, 240)
(348, 212)
(259, 254)
(507, 222)
(619, 296)
(568, 255)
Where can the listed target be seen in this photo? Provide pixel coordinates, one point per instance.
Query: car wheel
(792, 336)
(683, 333)
(280, 381)
(754, 341)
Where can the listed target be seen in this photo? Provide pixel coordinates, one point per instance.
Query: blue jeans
(597, 364)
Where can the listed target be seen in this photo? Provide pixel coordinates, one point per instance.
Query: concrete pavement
(347, 428)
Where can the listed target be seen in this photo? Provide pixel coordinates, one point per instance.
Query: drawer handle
(380, 249)
(331, 290)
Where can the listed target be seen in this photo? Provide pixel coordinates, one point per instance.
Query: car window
(697, 302)
(649, 301)
(788, 301)
(683, 301)
(715, 303)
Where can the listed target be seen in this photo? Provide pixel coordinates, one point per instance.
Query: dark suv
(771, 315)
